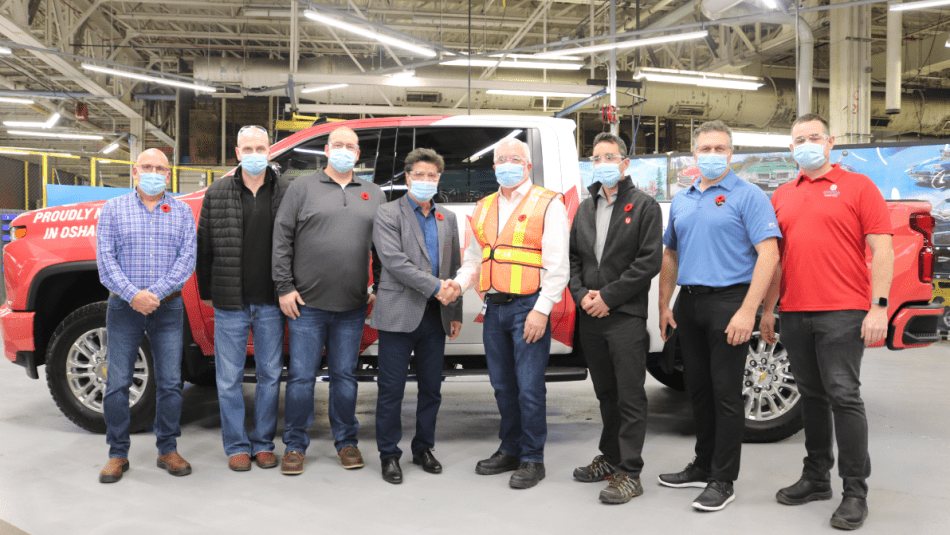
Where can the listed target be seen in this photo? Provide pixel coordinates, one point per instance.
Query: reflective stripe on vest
(511, 260)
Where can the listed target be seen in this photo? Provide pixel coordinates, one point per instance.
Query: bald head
(155, 156)
(343, 133)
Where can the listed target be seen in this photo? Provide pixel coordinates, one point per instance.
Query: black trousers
(616, 352)
(713, 370)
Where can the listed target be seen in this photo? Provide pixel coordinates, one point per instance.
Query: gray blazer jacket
(406, 281)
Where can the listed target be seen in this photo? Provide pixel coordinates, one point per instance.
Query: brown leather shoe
(266, 459)
(292, 463)
(240, 462)
(175, 465)
(351, 457)
(113, 470)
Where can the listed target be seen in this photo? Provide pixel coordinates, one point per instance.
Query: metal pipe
(892, 97)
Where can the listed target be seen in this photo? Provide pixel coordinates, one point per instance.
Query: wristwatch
(880, 301)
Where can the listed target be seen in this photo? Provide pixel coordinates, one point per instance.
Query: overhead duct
(895, 20)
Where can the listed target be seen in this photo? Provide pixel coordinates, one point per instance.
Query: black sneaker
(850, 514)
(598, 470)
(622, 489)
(717, 495)
(804, 491)
(689, 477)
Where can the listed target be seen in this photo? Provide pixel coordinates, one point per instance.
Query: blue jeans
(125, 328)
(395, 349)
(340, 333)
(825, 350)
(516, 370)
(231, 329)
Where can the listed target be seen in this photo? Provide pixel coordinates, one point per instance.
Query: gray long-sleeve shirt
(323, 235)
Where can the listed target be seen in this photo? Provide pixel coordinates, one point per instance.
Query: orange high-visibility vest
(511, 260)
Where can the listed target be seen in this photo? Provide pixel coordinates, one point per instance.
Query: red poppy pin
(365, 196)
(439, 216)
(628, 207)
(166, 208)
(720, 200)
(522, 217)
(627, 221)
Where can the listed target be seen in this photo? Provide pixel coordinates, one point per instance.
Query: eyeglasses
(352, 147)
(710, 149)
(422, 175)
(813, 138)
(610, 158)
(517, 160)
(149, 168)
(252, 127)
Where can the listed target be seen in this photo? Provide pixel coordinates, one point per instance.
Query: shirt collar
(139, 197)
(354, 180)
(613, 196)
(521, 191)
(417, 207)
(727, 183)
(831, 176)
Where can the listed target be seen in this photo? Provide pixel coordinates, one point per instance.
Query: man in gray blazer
(418, 246)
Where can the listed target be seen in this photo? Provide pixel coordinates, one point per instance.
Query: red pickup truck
(55, 309)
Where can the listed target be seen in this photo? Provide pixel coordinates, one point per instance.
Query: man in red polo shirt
(832, 307)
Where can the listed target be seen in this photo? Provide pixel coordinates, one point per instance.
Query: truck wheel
(773, 408)
(76, 370)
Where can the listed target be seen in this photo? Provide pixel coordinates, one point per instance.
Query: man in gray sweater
(323, 237)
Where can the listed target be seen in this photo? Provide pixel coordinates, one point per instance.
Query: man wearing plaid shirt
(145, 251)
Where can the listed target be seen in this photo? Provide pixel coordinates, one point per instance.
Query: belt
(167, 298)
(695, 289)
(501, 298)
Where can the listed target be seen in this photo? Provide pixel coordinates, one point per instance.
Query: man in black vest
(616, 249)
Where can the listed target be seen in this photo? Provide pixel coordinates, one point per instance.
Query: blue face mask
(342, 160)
(422, 191)
(810, 155)
(254, 164)
(152, 183)
(712, 166)
(608, 174)
(509, 175)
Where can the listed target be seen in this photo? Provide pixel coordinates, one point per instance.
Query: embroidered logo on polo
(627, 220)
(720, 200)
(832, 191)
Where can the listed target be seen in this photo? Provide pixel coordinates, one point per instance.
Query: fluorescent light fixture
(626, 44)
(918, 5)
(760, 139)
(514, 64)
(338, 24)
(947, 44)
(323, 88)
(111, 147)
(49, 123)
(147, 78)
(5, 50)
(771, 4)
(58, 135)
(13, 100)
(491, 147)
(703, 79)
(404, 79)
(537, 93)
(532, 56)
(311, 151)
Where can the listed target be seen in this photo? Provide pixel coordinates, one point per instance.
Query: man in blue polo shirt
(721, 248)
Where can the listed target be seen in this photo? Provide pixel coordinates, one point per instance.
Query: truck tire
(76, 369)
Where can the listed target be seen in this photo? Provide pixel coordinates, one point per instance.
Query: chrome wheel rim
(87, 370)
(769, 390)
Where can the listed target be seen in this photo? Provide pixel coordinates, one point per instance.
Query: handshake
(448, 292)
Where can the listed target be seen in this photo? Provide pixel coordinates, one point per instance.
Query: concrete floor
(49, 468)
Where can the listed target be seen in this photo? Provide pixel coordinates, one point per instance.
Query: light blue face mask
(342, 160)
(810, 155)
(509, 175)
(608, 174)
(422, 191)
(712, 166)
(254, 163)
(152, 183)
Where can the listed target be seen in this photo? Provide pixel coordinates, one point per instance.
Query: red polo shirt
(824, 223)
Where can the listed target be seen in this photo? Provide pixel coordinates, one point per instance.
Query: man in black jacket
(235, 233)
(616, 249)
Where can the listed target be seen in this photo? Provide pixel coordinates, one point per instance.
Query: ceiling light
(532, 56)
(5, 50)
(537, 93)
(771, 4)
(323, 88)
(919, 5)
(514, 64)
(147, 78)
(947, 44)
(703, 79)
(404, 79)
(111, 146)
(59, 135)
(626, 44)
(12, 100)
(760, 139)
(338, 24)
(49, 123)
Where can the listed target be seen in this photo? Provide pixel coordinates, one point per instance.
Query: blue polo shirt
(430, 232)
(714, 232)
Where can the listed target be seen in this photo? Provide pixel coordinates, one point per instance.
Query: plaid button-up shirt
(141, 250)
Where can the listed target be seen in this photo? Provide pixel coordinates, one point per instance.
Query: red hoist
(608, 114)
(82, 111)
